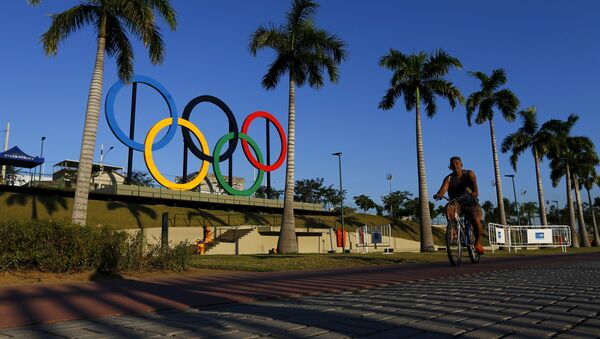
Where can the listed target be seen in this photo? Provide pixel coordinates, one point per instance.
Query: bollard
(165, 230)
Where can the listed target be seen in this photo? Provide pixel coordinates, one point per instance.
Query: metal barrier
(373, 236)
(530, 236)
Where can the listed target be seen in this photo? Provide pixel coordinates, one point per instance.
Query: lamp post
(41, 156)
(102, 155)
(389, 178)
(512, 176)
(339, 155)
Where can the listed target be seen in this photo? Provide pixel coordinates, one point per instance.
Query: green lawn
(316, 261)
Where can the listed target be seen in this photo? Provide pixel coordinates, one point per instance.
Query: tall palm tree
(529, 136)
(485, 100)
(584, 162)
(420, 78)
(111, 19)
(561, 162)
(303, 51)
(588, 183)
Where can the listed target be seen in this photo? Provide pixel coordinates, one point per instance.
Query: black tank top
(458, 187)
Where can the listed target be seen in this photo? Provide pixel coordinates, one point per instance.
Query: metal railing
(531, 236)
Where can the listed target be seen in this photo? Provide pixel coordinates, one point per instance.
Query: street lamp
(339, 155)
(389, 178)
(41, 156)
(512, 176)
(102, 155)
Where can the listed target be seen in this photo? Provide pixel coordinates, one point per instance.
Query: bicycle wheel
(453, 243)
(473, 255)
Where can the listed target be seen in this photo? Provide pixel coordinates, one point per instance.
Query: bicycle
(459, 234)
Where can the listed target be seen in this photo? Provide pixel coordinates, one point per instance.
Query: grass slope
(122, 215)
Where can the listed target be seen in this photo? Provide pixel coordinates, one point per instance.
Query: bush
(60, 246)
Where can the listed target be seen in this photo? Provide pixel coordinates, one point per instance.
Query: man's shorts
(469, 207)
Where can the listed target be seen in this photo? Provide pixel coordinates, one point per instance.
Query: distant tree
(331, 196)
(379, 209)
(529, 211)
(394, 202)
(488, 210)
(141, 178)
(309, 190)
(364, 202)
(272, 193)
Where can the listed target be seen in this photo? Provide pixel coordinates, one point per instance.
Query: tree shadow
(50, 203)
(209, 219)
(135, 210)
(255, 218)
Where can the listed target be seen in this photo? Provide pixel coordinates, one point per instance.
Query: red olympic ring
(247, 152)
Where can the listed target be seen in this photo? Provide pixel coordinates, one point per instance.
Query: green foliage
(58, 246)
(364, 202)
(141, 178)
(490, 96)
(272, 193)
(314, 191)
(396, 203)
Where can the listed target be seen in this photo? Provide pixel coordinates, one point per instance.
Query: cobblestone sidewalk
(561, 300)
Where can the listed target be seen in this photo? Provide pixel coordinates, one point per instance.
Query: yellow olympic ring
(150, 161)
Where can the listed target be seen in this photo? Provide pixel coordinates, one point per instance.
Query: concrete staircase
(230, 236)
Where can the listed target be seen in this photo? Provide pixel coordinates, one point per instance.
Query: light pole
(389, 178)
(512, 176)
(41, 156)
(102, 155)
(339, 155)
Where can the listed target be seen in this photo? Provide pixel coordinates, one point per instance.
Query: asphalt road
(549, 296)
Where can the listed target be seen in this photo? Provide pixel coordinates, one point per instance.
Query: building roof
(95, 166)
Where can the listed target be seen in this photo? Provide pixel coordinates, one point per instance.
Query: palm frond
(440, 64)
(483, 78)
(118, 44)
(275, 71)
(164, 9)
(486, 112)
(301, 11)
(497, 79)
(271, 36)
(65, 23)
(445, 89)
(508, 103)
(427, 96)
(389, 99)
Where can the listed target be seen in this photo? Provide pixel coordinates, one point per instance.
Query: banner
(539, 236)
(500, 238)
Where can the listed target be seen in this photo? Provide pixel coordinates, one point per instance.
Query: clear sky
(550, 51)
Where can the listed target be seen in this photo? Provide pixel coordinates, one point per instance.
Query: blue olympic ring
(114, 126)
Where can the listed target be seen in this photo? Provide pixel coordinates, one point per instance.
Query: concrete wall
(254, 243)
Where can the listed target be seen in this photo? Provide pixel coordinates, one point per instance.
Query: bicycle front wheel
(453, 243)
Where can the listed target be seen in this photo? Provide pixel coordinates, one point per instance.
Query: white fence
(531, 236)
(374, 236)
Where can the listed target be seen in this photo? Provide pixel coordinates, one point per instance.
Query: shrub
(60, 246)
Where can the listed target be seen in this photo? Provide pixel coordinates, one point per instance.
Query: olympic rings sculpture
(187, 127)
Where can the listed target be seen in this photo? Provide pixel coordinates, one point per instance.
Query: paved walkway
(518, 297)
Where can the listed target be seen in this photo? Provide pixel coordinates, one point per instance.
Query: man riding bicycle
(461, 186)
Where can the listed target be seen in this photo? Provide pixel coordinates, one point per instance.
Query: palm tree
(532, 137)
(485, 100)
(111, 19)
(588, 183)
(560, 162)
(584, 162)
(304, 52)
(420, 78)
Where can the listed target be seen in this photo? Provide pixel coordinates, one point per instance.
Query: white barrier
(373, 236)
(530, 236)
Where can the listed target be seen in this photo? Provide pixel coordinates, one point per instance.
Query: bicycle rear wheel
(473, 255)
(453, 243)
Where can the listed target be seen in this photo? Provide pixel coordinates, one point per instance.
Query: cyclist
(462, 185)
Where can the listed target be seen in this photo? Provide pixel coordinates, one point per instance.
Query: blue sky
(550, 51)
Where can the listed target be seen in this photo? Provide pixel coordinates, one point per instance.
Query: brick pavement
(559, 300)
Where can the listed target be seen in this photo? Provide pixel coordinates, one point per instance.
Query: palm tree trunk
(574, 236)
(426, 236)
(287, 242)
(585, 240)
(499, 196)
(594, 225)
(88, 143)
(540, 189)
